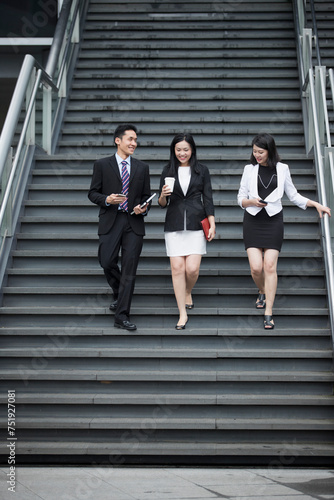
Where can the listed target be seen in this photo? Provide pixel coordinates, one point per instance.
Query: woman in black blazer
(189, 202)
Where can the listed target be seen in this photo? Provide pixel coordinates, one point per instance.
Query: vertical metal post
(310, 128)
(301, 14)
(307, 49)
(76, 31)
(329, 176)
(47, 120)
(6, 228)
(318, 98)
(30, 135)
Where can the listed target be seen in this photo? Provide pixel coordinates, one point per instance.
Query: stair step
(173, 399)
(116, 449)
(164, 375)
(164, 353)
(50, 422)
(85, 331)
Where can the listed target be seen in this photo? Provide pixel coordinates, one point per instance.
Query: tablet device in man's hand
(145, 202)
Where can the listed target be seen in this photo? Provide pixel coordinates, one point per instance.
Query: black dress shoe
(113, 305)
(125, 325)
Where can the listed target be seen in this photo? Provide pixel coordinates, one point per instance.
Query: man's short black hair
(121, 129)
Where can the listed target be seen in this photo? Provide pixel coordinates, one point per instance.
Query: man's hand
(137, 210)
(115, 199)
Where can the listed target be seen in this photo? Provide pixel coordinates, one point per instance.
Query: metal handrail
(315, 31)
(331, 83)
(40, 76)
(32, 78)
(58, 38)
(14, 110)
(323, 198)
(316, 122)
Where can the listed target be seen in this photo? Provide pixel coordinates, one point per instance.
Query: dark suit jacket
(198, 201)
(106, 180)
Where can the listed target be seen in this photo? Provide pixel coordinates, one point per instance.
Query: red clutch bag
(205, 226)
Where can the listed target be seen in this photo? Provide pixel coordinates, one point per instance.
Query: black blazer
(106, 180)
(197, 203)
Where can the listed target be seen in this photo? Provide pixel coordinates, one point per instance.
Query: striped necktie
(125, 185)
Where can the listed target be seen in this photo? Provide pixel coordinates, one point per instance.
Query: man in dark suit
(121, 218)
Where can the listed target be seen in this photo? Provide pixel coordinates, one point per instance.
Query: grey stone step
(298, 250)
(60, 172)
(126, 20)
(226, 41)
(289, 280)
(228, 30)
(195, 423)
(164, 353)
(163, 375)
(188, 105)
(179, 446)
(190, 6)
(232, 52)
(317, 332)
(230, 265)
(229, 82)
(100, 95)
(243, 319)
(168, 66)
(174, 399)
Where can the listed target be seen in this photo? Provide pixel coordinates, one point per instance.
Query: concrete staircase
(224, 390)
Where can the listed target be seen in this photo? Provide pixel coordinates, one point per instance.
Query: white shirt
(119, 163)
(184, 178)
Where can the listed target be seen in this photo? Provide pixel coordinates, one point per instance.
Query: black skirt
(262, 231)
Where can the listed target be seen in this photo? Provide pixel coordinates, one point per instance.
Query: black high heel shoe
(268, 322)
(181, 327)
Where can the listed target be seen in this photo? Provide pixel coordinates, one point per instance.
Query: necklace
(271, 178)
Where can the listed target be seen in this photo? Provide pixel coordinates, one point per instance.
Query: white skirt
(182, 243)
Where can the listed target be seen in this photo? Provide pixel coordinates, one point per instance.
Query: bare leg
(270, 276)
(255, 259)
(193, 263)
(178, 267)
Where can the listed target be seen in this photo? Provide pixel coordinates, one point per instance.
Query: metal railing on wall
(316, 82)
(34, 118)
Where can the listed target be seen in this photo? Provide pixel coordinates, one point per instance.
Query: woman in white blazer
(262, 187)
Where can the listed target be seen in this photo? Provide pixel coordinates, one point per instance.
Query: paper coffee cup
(169, 181)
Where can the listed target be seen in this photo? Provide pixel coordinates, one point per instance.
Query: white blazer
(248, 189)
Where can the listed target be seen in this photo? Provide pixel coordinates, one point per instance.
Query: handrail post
(329, 172)
(47, 119)
(31, 130)
(331, 83)
(6, 227)
(307, 49)
(318, 99)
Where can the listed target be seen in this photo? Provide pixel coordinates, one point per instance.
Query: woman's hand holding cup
(169, 186)
(166, 191)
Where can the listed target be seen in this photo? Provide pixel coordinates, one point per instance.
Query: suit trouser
(122, 281)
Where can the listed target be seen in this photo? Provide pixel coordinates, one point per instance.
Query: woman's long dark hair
(267, 142)
(173, 162)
